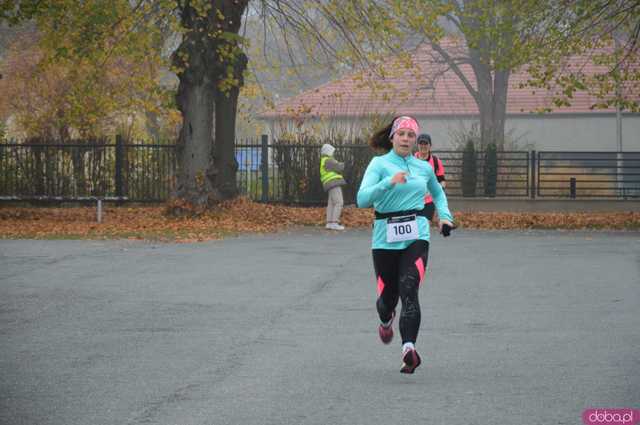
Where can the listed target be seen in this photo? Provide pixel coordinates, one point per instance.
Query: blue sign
(249, 158)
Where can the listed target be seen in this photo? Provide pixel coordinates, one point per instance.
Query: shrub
(490, 170)
(3, 132)
(469, 169)
(298, 168)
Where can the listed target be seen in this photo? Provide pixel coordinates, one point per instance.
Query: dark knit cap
(424, 138)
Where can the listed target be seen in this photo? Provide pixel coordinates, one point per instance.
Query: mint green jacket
(377, 191)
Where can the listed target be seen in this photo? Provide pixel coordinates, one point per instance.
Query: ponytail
(380, 140)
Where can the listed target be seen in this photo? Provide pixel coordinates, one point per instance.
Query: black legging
(399, 272)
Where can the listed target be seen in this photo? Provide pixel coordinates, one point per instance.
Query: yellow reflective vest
(327, 176)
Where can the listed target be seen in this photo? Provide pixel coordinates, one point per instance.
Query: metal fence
(86, 170)
(280, 171)
(512, 174)
(588, 174)
(291, 173)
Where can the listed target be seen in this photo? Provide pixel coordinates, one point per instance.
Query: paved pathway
(526, 328)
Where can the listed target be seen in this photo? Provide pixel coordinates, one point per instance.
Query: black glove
(446, 230)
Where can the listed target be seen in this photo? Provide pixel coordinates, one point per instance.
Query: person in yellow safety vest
(332, 181)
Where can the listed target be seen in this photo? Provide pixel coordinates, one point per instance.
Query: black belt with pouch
(382, 216)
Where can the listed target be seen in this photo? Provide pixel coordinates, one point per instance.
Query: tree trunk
(500, 89)
(491, 100)
(486, 120)
(492, 107)
(196, 57)
(204, 179)
(196, 102)
(482, 71)
(225, 164)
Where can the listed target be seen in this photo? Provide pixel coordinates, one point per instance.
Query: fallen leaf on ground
(242, 215)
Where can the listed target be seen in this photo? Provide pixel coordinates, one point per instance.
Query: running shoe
(410, 361)
(334, 226)
(386, 330)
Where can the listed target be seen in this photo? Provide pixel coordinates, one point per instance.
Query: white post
(99, 210)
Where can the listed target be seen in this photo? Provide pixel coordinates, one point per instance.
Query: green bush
(469, 170)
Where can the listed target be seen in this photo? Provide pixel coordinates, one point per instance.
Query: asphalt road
(517, 327)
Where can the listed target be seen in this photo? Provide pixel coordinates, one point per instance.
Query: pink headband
(404, 122)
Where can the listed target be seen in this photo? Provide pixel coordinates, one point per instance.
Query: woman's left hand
(445, 227)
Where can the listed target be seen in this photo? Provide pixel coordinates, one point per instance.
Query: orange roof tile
(445, 95)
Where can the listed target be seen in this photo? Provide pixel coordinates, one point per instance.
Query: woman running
(424, 153)
(395, 184)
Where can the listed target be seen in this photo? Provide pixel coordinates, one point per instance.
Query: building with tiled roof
(437, 97)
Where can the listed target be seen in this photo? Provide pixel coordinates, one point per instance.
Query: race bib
(403, 228)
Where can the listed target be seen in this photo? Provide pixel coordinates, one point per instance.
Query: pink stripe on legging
(380, 285)
(421, 268)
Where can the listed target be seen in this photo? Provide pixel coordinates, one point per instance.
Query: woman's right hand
(399, 177)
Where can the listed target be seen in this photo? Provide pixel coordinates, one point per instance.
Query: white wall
(583, 132)
(573, 133)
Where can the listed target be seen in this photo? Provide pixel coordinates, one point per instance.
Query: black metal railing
(281, 171)
(511, 174)
(588, 174)
(292, 172)
(85, 170)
